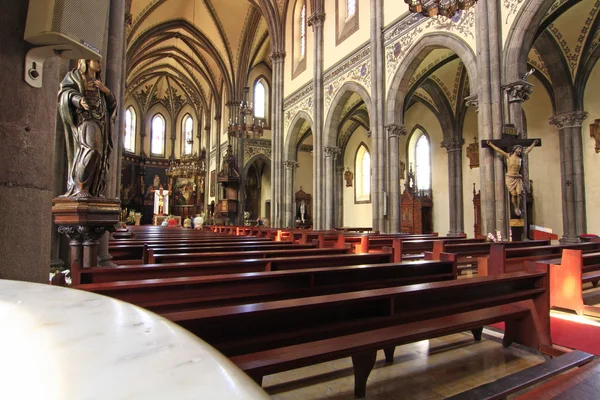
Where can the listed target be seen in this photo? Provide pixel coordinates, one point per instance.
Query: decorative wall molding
(569, 120)
(253, 147)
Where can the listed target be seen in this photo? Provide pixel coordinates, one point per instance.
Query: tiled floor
(431, 369)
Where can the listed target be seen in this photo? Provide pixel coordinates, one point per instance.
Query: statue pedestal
(84, 221)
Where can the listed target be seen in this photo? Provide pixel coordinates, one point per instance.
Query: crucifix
(512, 148)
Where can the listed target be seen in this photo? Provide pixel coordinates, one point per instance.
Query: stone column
(290, 169)
(379, 153)
(27, 130)
(484, 120)
(207, 165)
(339, 196)
(217, 132)
(276, 216)
(115, 81)
(571, 168)
(316, 20)
(331, 154)
(394, 132)
(455, 187)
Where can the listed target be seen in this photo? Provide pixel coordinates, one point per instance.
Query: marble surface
(62, 343)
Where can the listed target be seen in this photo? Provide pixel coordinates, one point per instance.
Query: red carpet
(572, 334)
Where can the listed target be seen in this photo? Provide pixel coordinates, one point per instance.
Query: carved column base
(84, 221)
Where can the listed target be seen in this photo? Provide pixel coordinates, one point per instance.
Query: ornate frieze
(401, 37)
(395, 131)
(253, 147)
(569, 120)
(453, 144)
(278, 57)
(519, 91)
(291, 165)
(305, 105)
(316, 19)
(332, 152)
(356, 68)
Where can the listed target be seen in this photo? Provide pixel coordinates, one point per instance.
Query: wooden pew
(289, 334)
(180, 294)
(155, 271)
(468, 251)
(139, 250)
(151, 251)
(502, 259)
(158, 258)
(513, 383)
(567, 276)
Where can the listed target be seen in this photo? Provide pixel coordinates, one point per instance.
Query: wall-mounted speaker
(78, 25)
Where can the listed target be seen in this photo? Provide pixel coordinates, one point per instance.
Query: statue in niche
(87, 109)
(513, 178)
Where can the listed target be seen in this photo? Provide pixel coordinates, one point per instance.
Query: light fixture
(445, 8)
(240, 127)
(189, 165)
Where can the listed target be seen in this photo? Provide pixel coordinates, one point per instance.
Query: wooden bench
(288, 334)
(567, 276)
(513, 383)
(467, 252)
(152, 271)
(153, 251)
(179, 294)
(139, 249)
(502, 259)
(237, 255)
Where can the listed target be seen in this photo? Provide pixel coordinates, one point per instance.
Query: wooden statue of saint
(87, 109)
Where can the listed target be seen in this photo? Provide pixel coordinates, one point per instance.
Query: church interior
(300, 199)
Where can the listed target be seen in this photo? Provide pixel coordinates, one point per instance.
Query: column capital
(518, 91)
(472, 101)
(453, 144)
(278, 57)
(230, 104)
(339, 169)
(395, 131)
(316, 19)
(290, 165)
(332, 151)
(573, 119)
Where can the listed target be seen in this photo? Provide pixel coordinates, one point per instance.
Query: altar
(158, 219)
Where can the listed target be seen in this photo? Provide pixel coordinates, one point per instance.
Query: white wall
(356, 214)
(544, 162)
(591, 159)
(421, 115)
(470, 176)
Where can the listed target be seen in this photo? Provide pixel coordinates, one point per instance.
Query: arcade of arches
(347, 114)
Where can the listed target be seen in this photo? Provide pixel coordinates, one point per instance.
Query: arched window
(423, 163)
(350, 8)
(362, 168)
(260, 100)
(158, 136)
(303, 30)
(187, 134)
(130, 121)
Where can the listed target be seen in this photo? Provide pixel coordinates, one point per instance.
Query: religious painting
(595, 134)
(211, 183)
(473, 154)
(155, 176)
(184, 191)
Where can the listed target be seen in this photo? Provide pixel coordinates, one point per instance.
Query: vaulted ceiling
(567, 40)
(193, 51)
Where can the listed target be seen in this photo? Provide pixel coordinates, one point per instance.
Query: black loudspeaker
(80, 25)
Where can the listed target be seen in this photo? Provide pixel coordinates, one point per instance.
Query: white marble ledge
(60, 343)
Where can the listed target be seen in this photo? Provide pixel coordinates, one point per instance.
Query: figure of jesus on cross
(513, 177)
